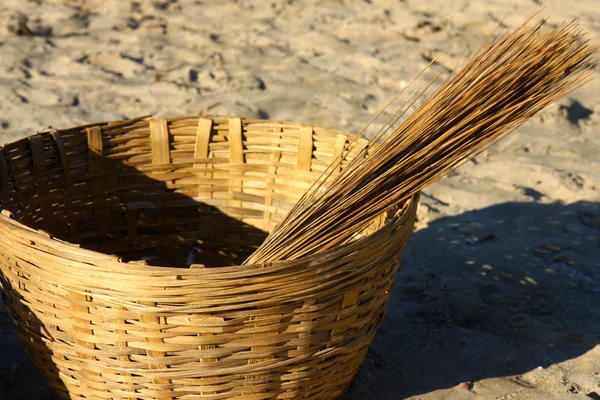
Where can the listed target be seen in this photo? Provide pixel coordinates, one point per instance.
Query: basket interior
(170, 192)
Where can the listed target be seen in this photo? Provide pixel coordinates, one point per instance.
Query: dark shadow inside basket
(128, 207)
(125, 212)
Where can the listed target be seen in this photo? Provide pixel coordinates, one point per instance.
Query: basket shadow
(489, 293)
(128, 213)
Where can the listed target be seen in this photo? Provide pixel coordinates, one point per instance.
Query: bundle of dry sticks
(513, 76)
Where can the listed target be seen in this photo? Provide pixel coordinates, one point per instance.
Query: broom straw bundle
(512, 77)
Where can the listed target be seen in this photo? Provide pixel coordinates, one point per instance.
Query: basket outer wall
(100, 328)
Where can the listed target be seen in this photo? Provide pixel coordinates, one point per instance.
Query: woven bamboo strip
(236, 156)
(94, 141)
(202, 152)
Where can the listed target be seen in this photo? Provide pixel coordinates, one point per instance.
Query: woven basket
(96, 219)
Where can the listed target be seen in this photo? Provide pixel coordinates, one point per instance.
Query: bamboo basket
(97, 219)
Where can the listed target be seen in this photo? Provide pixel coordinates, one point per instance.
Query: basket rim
(7, 221)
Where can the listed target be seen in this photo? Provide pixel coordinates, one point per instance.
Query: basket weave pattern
(94, 216)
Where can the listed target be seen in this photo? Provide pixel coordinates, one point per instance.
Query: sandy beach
(500, 282)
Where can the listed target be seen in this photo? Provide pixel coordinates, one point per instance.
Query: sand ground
(500, 283)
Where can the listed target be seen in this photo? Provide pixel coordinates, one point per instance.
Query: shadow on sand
(489, 293)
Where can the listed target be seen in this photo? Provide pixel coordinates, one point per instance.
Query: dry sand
(500, 283)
